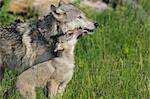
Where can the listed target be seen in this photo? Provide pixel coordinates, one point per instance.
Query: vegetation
(113, 63)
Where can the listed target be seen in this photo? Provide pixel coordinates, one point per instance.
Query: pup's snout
(96, 24)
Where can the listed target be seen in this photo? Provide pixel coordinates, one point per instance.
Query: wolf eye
(70, 34)
(79, 17)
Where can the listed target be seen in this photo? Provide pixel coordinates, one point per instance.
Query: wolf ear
(57, 13)
(61, 2)
(53, 8)
(59, 17)
(58, 47)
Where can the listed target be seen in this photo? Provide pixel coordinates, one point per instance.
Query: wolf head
(70, 18)
(68, 40)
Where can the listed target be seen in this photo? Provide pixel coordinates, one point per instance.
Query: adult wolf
(23, 45)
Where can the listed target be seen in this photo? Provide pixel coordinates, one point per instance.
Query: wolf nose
(96, 24)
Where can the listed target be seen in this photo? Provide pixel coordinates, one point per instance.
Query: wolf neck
(48, 26)
(67, 54)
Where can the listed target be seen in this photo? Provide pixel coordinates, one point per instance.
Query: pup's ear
(53, 8)
(58, 47)
(61, 2)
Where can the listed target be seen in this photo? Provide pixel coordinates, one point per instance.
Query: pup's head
(68, 40)
(70, 18)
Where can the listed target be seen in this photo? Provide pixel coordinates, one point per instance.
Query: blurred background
(113, 63)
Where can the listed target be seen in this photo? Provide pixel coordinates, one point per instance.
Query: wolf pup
(56, 73)
(26, 44)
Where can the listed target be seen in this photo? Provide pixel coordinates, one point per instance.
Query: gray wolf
(23, 45)
(55, 73)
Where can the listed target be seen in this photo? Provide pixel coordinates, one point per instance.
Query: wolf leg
(63, 85)
(9, 92)
(61, 88)
(1, 69)
(52, 89)
(27, 91)
(29, 94)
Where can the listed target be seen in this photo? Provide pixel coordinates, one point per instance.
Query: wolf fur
(23, 45)
(42, 7)
(56, 73)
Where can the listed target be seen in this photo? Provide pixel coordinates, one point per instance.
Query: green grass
(113, 63)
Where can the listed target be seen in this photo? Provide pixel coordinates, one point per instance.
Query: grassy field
(111, 64)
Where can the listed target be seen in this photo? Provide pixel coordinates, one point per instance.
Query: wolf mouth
(89, 30)
(81, 32)
(86, 30)
(80, 35)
